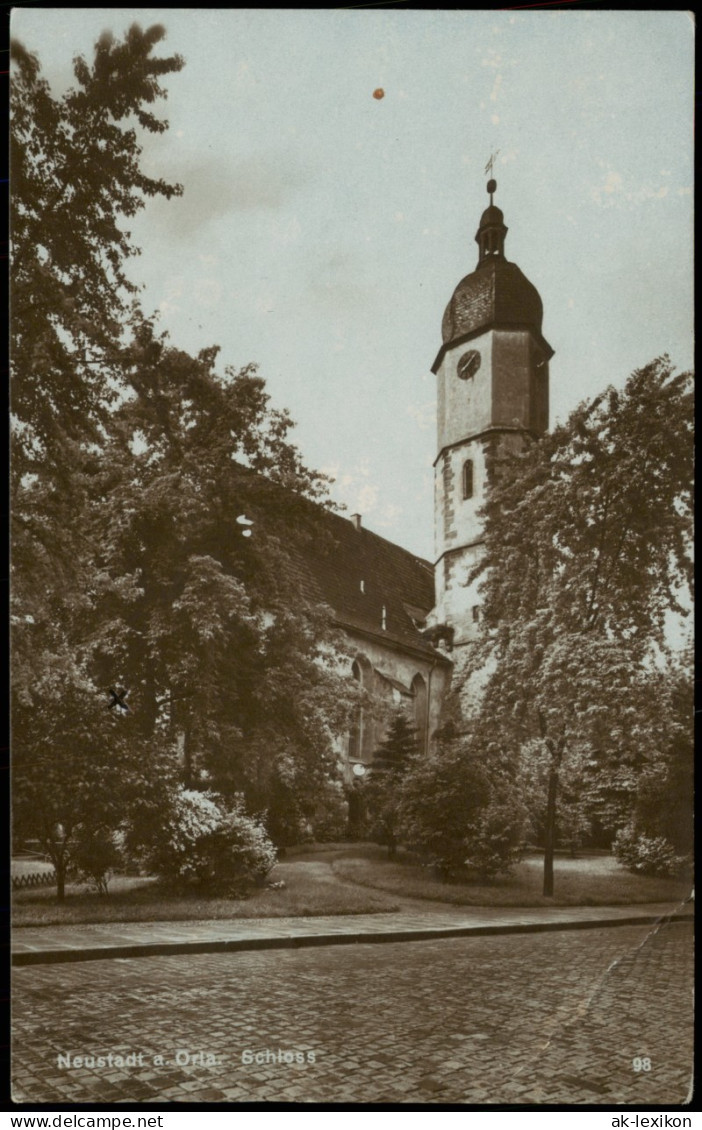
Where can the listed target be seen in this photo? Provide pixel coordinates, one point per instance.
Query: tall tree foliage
(132, 463)
(587, 549)
(76, 175)
(656, 835)
(218, 633)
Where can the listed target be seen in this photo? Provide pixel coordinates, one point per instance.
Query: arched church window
(419, 691)
(468, 478)
(355, 731)
(360, 746)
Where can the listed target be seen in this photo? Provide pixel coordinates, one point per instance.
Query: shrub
(201, 843)
(458, 813)
(287, 820)
(94, 856)
(493, 842)
(236, 856)
(649, 855)
(330, 820)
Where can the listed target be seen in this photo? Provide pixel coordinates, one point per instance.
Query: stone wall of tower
(507, 394)
(464, 407)
(519, 381)
(459, 529)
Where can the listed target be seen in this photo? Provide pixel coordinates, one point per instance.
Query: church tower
(492, 378)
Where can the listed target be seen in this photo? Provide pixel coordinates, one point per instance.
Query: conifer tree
(391, 761)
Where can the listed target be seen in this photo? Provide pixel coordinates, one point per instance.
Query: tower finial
(491, 184)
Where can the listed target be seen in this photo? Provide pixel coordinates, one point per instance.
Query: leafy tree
(587, 548)
(657, 837)
(132, 464)
(76, 174)
(76, 769)
(573, 817)
(219, 635)
(391, 761)
(665, 784)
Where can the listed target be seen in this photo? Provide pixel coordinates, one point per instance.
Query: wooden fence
(34, 879)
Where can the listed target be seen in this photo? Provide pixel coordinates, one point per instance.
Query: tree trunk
(187, 758)
(550, 837)
(58, 858)
(55, 848)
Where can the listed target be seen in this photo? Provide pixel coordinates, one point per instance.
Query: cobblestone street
(534, 1018)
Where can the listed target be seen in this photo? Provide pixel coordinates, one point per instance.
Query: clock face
(468, 364)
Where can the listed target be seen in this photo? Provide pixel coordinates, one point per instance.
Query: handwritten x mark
(118, 698)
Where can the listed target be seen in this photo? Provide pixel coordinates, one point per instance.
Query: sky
(323, 230)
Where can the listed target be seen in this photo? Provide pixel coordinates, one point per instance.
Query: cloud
(341, 282)
(492, 59)
(214, 187)
(243, 78)
(367, 497)
(207, 292)
(353, 487)
(612, 184)
(423, 414)
(386, 517)
(173, 291)
(613, 191)
(648, 193)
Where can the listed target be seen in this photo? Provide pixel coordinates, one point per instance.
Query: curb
(302, 941)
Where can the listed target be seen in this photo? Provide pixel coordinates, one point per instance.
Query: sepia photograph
(351, 558)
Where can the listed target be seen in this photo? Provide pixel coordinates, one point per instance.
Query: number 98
(641, 1063)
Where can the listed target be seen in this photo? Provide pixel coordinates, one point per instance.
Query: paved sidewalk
(40, 945)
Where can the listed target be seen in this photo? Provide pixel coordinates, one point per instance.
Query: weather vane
(491, 162)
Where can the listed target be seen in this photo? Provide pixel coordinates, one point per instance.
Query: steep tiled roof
(358, 574)
(333, 560)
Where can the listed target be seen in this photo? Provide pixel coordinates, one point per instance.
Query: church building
(405, 619)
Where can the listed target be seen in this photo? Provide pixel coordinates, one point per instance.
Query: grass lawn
(30, 867)
(310, 889)
(349, 879)
(591, 880)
